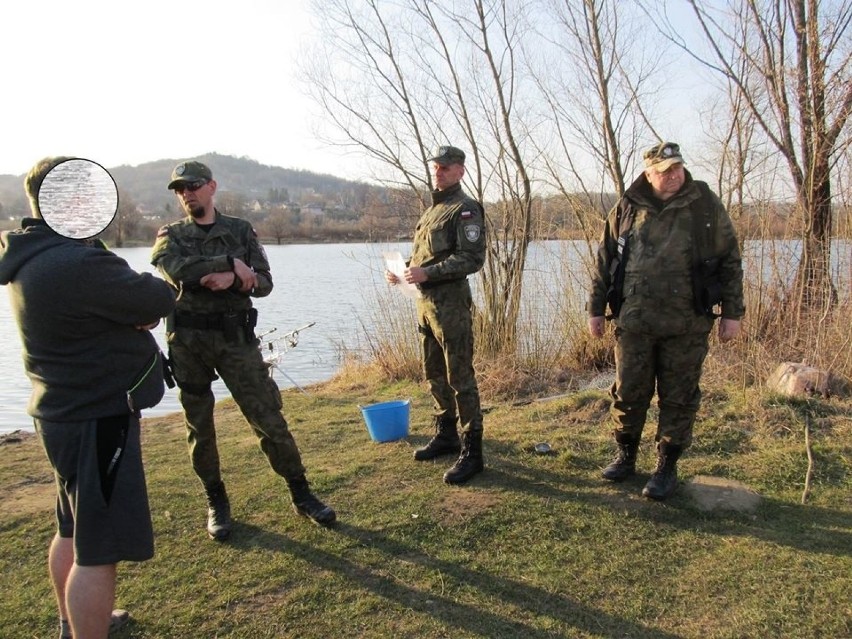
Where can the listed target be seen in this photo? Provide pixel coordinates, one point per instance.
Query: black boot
(624, 464)
(664, 480)
(470, 460)
(445, 442)
(307, 505)
(218, 511)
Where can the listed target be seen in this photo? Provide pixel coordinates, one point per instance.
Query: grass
(536, 547)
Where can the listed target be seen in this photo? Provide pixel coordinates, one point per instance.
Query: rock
(714, 493)
(793, 379)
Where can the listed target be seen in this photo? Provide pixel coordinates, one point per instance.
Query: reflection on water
(331, 284)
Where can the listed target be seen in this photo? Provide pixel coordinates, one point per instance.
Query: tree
(414, 74)
(277, 225)
(596, 102)
(790, 63)
(125, 224)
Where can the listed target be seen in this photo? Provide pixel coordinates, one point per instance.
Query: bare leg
(90, 594)
(60, 560)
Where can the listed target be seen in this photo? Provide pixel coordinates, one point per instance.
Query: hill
(145, 184)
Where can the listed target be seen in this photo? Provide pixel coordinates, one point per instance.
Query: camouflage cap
(190, 171)
(662, 156)
(448, 155)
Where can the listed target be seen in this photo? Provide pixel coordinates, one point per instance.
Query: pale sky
(122, 82)
(132, 82)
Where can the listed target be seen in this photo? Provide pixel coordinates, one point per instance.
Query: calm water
(336, 286)
(328, 284)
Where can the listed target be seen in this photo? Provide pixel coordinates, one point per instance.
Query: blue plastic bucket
(387, 421)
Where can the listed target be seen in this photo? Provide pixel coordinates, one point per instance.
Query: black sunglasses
(192, 187)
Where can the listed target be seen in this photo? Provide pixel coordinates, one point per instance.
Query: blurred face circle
(78, 199)
(667, 183)
(447, 175)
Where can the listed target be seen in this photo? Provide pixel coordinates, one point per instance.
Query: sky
(134, 82)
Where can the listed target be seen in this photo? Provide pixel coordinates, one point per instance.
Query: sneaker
(117, 620)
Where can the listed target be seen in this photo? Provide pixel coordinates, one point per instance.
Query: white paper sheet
(396, 265)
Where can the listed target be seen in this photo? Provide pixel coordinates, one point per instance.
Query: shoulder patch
(163, 232)
(466, 215)
(472, 232)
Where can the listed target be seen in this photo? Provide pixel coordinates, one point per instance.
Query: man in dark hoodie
(83, 316)
(668, 256)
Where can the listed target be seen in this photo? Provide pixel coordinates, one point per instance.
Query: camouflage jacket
(449, 241)
(657, 293)
(184, 253)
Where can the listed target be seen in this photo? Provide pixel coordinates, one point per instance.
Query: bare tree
(495, 34)
(125, 224)
(278, 225)
(790, 62)
(413, 74)
(362, 78)
(596, 99)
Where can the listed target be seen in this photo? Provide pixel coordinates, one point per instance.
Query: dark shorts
(101, 501)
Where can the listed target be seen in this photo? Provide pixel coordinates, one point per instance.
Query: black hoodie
(77, 307)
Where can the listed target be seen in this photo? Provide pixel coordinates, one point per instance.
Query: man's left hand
(728, 329)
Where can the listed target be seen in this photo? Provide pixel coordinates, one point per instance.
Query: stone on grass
(793, 379)
(714, 494)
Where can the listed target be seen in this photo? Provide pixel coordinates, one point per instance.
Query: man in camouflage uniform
(662, 327)
(449, 245)
(216, 264)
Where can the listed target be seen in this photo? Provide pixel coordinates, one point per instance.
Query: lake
(328, 284)
(337, 285)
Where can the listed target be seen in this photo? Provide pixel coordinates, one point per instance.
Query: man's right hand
(390, 278)
(596, 326)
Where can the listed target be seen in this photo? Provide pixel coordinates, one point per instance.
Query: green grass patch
(538, 546)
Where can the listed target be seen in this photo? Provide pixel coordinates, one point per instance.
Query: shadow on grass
(806, 528)
(512, 594)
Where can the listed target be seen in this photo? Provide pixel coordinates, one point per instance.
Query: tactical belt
(425, 286)
(207, 321)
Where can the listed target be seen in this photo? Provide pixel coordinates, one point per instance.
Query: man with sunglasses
(449, 245)
(669, 256)
(216, 264)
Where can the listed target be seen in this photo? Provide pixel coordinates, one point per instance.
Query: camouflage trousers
(445, 323)
(672, 365)
(197, 356)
